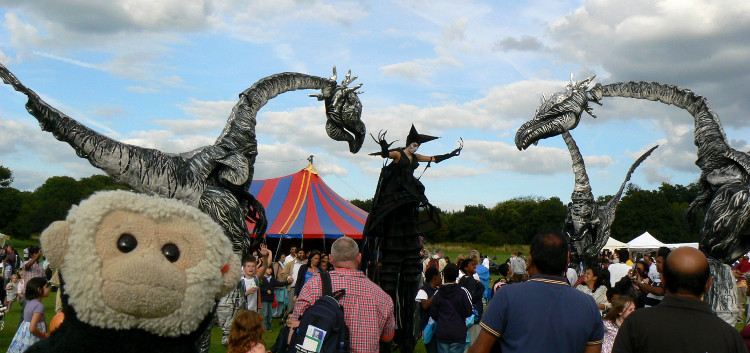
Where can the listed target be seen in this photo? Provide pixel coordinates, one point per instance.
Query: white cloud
(451, 42)
(4, 59)
(417, 70)
(500, 156)
(700, 45)
(34, 155)
(108, 111)
(526, 43)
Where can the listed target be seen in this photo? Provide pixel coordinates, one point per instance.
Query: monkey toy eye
(171, 252)
(126, 243)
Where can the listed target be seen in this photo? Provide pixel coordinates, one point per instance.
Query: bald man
(682, 322)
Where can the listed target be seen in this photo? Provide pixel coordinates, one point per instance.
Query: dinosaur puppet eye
(171, 252)
(126, 243)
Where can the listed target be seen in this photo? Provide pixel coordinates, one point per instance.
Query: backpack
(322, 328)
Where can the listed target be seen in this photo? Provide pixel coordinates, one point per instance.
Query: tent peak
(310, 168)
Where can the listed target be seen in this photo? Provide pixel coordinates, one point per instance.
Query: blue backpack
(322, 328)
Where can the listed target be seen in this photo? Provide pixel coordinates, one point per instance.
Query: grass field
(451, 250)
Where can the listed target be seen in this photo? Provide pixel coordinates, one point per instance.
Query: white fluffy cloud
(687, 43)
(499, 156)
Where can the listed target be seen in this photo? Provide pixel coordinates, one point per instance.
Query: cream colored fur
(71, 246)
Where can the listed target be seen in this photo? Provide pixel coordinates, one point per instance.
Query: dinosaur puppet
(725, 172)
(214, 178)
(587, 225)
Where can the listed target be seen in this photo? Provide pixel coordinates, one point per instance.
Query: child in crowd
(246, 334)
(267, 287)
(450, 307)
(469, 267)
(7, 270)
(250, 281)
(34, 326)
(12, 292)
(622, 306)
(505, 274)
(424, 297)
(280, 293)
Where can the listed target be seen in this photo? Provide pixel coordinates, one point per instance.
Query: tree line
(26, 213)
(514, 221)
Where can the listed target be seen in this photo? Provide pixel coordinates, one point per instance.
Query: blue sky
(165, 74)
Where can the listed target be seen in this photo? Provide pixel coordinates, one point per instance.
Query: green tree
(6, 177)
(10, 206)
(365, 205)
(643, 210)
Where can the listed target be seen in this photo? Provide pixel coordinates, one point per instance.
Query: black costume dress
(391, 252)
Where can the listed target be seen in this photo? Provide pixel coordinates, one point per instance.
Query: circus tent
(302, 206)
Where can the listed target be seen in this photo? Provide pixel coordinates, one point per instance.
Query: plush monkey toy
(139, 274)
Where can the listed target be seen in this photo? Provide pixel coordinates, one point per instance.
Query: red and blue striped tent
(302, 206)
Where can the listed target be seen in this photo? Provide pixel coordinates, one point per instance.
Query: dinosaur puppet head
(344, 112)
(558, 113)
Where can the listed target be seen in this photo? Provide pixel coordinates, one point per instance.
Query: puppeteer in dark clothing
(400, 214)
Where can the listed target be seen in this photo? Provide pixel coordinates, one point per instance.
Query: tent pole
(278, 246)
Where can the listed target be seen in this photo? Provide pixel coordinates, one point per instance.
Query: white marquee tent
(613, 244)
(679, 245)
(645, 241)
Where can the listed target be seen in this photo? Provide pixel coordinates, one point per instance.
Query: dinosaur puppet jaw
(543, 127)
(354, 135)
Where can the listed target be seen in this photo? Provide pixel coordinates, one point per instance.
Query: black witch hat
(414, 136)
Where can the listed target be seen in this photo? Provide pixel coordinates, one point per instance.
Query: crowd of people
(622, 303)
(539, 303)
(26, 280)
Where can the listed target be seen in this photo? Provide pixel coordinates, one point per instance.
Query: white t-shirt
(252, 299)
(288, 259)
(295, 272)
(653, 274)
(572, 276)
(421, 295)
(617, 272)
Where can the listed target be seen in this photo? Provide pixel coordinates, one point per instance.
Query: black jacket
(301, 279)
(450, 307)
(266, 285)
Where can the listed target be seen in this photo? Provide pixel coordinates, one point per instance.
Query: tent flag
(301, 205)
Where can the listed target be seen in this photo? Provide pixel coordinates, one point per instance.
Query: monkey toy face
(132, 261)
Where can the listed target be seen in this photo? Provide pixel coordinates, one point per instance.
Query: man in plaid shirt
(368, 311)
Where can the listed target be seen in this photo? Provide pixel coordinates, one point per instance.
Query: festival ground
(451, 250)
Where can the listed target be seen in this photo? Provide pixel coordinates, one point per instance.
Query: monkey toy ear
(54, 241)
(230, 274)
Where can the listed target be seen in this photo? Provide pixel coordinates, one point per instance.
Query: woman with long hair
(593, 285)
(306, 271)
(246, 334)
(622, 306)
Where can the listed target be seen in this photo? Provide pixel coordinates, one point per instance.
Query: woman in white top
(593, 285)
